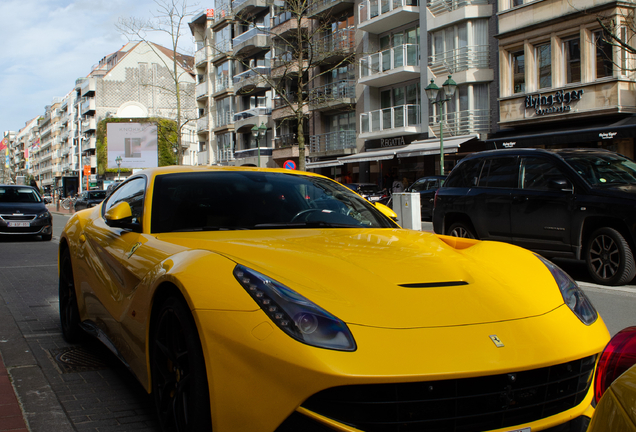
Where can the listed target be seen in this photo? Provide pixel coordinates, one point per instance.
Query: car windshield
(229, 200)
(96, 195)
(604, 169)
(369, 188)
(19, 195)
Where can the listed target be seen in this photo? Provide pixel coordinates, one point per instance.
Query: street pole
(431, 92)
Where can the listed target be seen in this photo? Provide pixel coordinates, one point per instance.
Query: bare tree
(304, 51)
(171, 18)
(619, 31)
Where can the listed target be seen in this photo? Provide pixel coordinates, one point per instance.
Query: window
(131, 192)
(543, 55)
(518, 72)
(499, 173)
(572, 59)
(604, 62)
(465, 174)
(536, 173)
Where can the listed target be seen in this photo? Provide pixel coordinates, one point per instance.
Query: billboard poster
(135, 143)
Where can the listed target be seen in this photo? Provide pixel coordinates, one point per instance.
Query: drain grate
(76, 359)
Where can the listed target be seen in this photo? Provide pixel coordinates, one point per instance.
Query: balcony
(461, 59)
(335, 95)
(393, 65)
(249, 6)
(338, 142)
(203, 124)
(336, 46)
(437, 7)
(225, 154)
(462, 122)
(88, 124)
(221, 49)
(202, 158)
(250, 118)
(252, 79)
(89, 143)
(87, 106)
(251, 41)
(202, 90)
(87, 86)
(222, 12)
(283, 110)
(201, 56)
(224, 119)
(377, 16)
(329, 7)
(284, 23)
(403, 119)
(222, 85)
(252, 153)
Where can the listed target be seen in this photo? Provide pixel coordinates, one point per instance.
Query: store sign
(607, 135)
(556, 103)
(392, 142)
(509, 144)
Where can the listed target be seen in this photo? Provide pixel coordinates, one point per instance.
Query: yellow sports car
(258, 300)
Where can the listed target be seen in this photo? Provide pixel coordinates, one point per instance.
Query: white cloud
(48, 44)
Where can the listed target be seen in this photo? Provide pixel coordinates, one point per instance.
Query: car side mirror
(120, 216)
(560, 184)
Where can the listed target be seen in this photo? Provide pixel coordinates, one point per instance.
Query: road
(68, 388)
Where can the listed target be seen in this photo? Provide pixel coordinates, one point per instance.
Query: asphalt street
(62, 387)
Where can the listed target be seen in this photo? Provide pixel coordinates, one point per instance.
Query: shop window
(543, 58)
(518, 72)
(572, 59)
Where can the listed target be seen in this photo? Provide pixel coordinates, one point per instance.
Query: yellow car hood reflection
(391, 278)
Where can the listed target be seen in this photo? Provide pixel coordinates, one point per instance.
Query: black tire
(179, 379)
(609, 258)
(69, 312)
(460, 229)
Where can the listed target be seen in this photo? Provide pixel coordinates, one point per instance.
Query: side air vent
(434, 284)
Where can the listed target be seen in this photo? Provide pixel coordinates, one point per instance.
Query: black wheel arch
(591, 224)
(452, 218)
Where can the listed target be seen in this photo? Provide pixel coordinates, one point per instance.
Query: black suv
(571, 203)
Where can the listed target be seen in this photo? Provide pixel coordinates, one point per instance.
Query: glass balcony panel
(364, 123)
(398, 56)
(412, 54)
(387, 118)
(386, 6)
(374, 9)
(386, 60)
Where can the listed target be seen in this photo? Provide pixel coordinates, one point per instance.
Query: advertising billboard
(134, 143)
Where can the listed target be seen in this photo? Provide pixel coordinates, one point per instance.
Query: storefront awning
(432, 146)
(323, 164)
(370, 156)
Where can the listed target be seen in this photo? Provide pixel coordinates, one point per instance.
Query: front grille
(461, 405)
(18, 217)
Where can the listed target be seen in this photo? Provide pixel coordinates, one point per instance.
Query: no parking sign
(290, 165)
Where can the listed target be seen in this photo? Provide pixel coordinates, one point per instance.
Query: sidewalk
(10, 412)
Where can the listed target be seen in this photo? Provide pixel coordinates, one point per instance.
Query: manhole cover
(76, 359)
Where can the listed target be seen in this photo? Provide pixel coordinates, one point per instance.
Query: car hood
(392, 278)
(27, 208)
(618, 191)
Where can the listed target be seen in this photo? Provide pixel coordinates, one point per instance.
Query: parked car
(48, 199)
(615, 385)
(427, 186)
(248, 299)
(88, 199)
(572, 203)
(23, 212)
(369, 191)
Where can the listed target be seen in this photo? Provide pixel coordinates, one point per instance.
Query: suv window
(500, 173)
(536, 173)
(465, 174)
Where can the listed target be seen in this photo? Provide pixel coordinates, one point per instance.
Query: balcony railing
(257, 71)
(370, 9)
(281, 18)
(224, 119)
(390, 118)
(222, 47)
(249, 34)
(225, 153)
(332, 141)
(288, 140)
(222, 10)
(202, 89)
(392, 58)
(222, 84)
(202, 124)
(343, 40)
(440, 6)
(253, 112)
(337, 91)
(463, 122)
(200, 56)
(460, 59)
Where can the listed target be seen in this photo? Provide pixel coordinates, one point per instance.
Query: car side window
(465, 174)
(537, 173)
(418, 186)
(500, 173)
(133, 193)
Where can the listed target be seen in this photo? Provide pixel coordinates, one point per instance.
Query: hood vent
(434, 284)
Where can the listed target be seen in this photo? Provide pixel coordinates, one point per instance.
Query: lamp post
(118, 160)
(431, 92)
(258, 132)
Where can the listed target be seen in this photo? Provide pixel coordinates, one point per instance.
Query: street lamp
(431, 92)
(118, 160)
(258, 132)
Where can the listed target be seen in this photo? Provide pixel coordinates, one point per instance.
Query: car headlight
(294, 314)
(44, 215)
(573, 296)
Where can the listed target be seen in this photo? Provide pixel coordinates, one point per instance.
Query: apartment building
(562, 84)
(367, 114)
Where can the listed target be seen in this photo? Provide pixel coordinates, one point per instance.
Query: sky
(45, 45)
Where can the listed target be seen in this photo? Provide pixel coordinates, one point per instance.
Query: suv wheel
(609, 259)
(459, 229)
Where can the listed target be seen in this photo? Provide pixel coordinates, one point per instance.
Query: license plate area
(18, 224)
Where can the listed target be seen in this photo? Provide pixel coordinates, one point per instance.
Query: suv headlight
(294, 314)
(44, 215)
(573, 296)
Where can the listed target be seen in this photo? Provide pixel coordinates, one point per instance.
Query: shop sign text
(553, 104)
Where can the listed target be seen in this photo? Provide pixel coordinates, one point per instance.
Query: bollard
(57, 205)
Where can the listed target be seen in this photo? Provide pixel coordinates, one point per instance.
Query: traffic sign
(290, 165)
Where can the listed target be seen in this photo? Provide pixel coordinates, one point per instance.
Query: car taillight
(618, 356)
